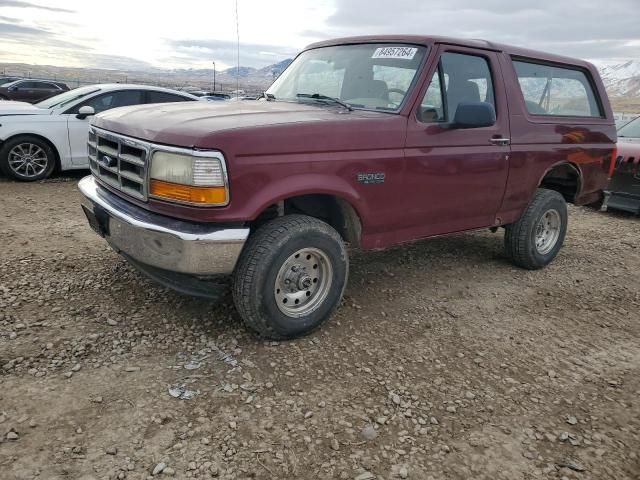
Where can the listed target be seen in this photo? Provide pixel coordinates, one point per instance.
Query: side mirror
(474, 115)
(85, 111)
(13, 89)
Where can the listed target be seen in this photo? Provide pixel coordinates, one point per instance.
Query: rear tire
(290, 276)
(27, 158)
(535, 239)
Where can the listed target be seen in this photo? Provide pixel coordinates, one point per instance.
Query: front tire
(290, 277)
(535, 239)
(27, 158)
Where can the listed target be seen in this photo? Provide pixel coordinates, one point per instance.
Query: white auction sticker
(406, 53)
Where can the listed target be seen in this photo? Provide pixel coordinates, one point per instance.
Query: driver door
(456, 177)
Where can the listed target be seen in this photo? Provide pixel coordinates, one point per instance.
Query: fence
(75, 82)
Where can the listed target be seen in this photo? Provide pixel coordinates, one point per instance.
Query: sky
(140, 34)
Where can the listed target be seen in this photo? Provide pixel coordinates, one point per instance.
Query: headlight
(198, 178)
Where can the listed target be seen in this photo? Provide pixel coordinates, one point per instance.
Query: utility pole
(214, 76)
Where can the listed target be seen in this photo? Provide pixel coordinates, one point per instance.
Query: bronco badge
(368, 178)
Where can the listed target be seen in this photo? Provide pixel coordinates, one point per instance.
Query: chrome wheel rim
(303, 282)
(548, 231)
(28, 160)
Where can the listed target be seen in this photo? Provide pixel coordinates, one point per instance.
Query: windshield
(371, 76)
(631, 129)
(67, 97)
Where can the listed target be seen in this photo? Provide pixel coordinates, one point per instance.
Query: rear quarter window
(556, 91)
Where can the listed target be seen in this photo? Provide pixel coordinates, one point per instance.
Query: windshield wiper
(319, 96)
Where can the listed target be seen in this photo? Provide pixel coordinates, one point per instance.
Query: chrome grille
(119, 161)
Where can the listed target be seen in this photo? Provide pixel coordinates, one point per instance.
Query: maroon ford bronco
(368, 141)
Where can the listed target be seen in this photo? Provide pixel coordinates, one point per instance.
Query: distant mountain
(622, 79)
(269, 72)
(275, 69)
(242, 72)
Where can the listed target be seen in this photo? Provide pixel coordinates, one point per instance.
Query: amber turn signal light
(188, 193)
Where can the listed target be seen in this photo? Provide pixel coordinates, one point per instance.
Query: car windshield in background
(631, 129)
(67, 97)
(370, 76)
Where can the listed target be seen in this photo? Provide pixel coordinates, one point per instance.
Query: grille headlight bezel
(193, 173)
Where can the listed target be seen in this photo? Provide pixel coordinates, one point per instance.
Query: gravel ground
(443, 362)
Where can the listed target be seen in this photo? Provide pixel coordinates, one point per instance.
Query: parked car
(623, 191)
(4, 80)
(31, 90)
(216, 96)
(367, 141)
(34, 139)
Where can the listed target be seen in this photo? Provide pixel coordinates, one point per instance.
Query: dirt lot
(443, 362)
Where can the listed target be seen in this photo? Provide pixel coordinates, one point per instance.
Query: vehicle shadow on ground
(620, 215)
(420, 262)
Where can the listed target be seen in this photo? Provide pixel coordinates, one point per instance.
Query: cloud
(110, 62)
(223, 51)
(561, 27)
(21, 4)
(35, 37)
(590, 29)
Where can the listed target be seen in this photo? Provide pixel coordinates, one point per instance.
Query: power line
(237, 52)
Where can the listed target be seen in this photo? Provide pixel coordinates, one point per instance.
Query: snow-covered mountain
(622, 79)
(269, 72)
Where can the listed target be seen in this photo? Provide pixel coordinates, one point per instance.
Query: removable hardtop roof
(430, 40)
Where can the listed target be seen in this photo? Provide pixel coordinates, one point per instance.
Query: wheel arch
(56, 151)
(564, 177)
(329, 207)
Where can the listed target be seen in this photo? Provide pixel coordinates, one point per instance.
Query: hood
(191, 124)
(10, 107)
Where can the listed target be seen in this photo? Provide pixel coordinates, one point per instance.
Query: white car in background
(35, 139)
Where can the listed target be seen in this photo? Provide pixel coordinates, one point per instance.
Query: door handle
(500, 141)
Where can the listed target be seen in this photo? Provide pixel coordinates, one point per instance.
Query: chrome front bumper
(159, 241)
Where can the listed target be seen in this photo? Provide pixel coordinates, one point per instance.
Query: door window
(459, 78)
(163, 97)
(110, 100)
(551, 90)
(43, 85)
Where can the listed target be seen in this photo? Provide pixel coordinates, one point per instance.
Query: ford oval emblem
(107, 161)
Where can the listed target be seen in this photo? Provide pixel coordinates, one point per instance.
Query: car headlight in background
(198, 179)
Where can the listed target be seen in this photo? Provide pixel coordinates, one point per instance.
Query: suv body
(370, 141)
(32, 91)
